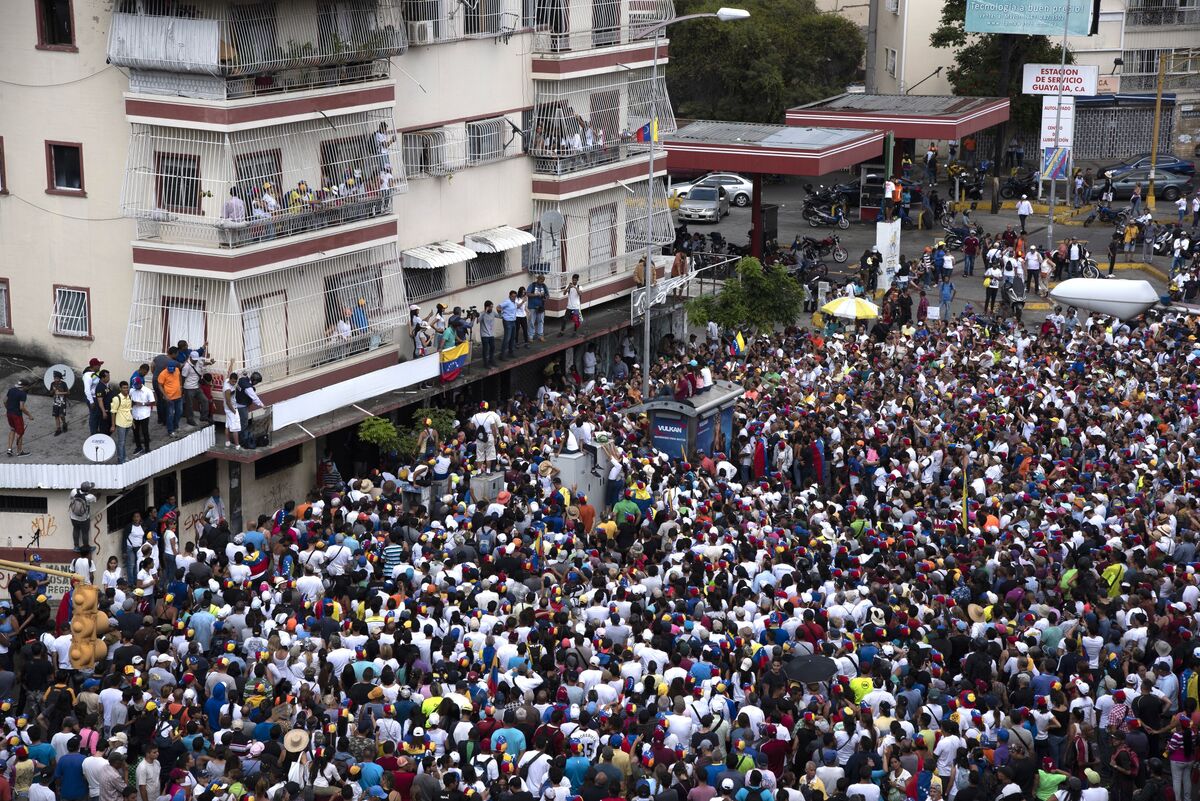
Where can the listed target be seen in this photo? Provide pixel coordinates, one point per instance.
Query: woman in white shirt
(522, 333)
(112, 574)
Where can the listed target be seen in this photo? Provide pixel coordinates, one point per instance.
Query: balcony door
(602, 234)
(264, 329)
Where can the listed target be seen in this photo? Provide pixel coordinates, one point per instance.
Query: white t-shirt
(946, 752)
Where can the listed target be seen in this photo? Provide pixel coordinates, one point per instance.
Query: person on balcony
(264, 229)
(574, 306)
(339, 334)
(268, 200)
(384, 139)
(537, 308)
(235, 207)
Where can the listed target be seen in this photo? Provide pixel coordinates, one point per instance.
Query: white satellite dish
(552, 223)
(68, 375)
(99, 447)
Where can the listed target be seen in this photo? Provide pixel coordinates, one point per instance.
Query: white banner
(1065, 122)
(1074, 79)
(887, 239)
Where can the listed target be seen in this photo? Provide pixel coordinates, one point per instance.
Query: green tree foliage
(980, 61)
(380, 432)
(442, 421)
(757, 299)
(785, 54)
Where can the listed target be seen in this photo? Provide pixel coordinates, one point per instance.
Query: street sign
(1064, 136)
(887, 239)
(656, 293)
(1046, 79)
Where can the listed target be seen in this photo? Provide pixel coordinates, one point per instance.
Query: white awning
(439, 254)
(498, 240)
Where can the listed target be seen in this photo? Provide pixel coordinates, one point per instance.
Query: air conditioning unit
(420, 33)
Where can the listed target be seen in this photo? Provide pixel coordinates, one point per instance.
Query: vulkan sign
(1047, 79)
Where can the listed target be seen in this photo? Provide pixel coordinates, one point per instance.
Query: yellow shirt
(861, 686)
(122, 410)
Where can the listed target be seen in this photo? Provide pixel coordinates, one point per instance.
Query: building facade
(283, 181)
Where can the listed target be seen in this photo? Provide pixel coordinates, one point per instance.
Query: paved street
(860, 236)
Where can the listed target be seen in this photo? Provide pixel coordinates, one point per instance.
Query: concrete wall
(66, 240)
(907, 31)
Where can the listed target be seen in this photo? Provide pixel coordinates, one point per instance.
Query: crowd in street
(943, 561)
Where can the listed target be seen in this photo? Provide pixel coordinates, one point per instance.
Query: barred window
(71, 316)
(485, 267)
(421, 284)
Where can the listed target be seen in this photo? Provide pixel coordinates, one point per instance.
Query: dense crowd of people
(944, 561)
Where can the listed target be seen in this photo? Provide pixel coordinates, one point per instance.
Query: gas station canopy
(770, 149)
(906, 116)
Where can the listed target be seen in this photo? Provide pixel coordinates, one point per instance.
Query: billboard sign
(1058, 129)
(670, 435)
(1079, 80)
(1033, 17)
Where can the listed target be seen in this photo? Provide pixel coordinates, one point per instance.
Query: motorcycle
(1013, 297)
(1107, 214)
(817, 216)
(1018, 185)
(955, 236)
(814, 249)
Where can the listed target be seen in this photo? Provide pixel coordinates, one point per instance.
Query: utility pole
(1158, 93)
(1062, 69)
(872, 45)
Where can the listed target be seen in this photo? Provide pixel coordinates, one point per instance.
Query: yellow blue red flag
(453, 361)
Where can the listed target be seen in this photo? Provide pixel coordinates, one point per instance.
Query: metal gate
(1103, 133)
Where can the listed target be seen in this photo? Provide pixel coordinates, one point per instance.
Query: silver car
(705, 204)
(739, 190)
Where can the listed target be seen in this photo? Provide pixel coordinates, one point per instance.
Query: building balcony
(431, 22)
(231, 40)
(241, 189)
(602, 237)
(447, 149)
(281, 323)
(1156, 14)
(571, 26)
(276, 86)
(582, 123)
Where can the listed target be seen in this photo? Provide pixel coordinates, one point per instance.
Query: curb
(1144, 268)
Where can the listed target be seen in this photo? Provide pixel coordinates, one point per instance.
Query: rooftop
(911, 105)
(758, 134)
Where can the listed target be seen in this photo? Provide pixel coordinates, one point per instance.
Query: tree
(786, 54)
(990, 65)
(758, 298)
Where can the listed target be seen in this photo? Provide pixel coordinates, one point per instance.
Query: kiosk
(700, 423)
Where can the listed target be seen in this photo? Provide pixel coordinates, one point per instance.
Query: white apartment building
(386, 153)
(904, 61)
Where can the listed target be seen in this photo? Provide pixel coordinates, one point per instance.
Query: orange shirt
(172, 387)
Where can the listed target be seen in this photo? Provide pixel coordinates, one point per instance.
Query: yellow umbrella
(851, 308)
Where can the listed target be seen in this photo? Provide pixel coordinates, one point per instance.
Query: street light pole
(1062, 74)
(724, 15)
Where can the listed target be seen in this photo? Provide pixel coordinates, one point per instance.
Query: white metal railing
(279, 323)
(569, 25)
(233, 189)
(216, 87)
(435, 21)
(444, 150)
(581, 122)
(602, 234)
(220, 37)
(1144, 13)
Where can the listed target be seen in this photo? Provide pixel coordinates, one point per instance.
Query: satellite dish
(99, 447)
(552, 223)
(68, 375)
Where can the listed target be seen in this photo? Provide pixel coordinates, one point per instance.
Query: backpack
(79, 507)
(241, 396)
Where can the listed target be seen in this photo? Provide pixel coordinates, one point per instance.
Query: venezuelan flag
(739, 343)
(453, 361)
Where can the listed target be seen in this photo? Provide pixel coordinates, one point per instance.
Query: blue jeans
(174, 412)
(537, 323)
(95, 419)
(489, 350)
(121, 433)
(970, 264)
(508, 346)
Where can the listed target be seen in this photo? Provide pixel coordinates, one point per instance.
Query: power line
(66, 216)
(65, 83)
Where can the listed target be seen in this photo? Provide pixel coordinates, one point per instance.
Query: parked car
(1165, 162)
(704, 204)
(1167, 185)
(739, 190)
